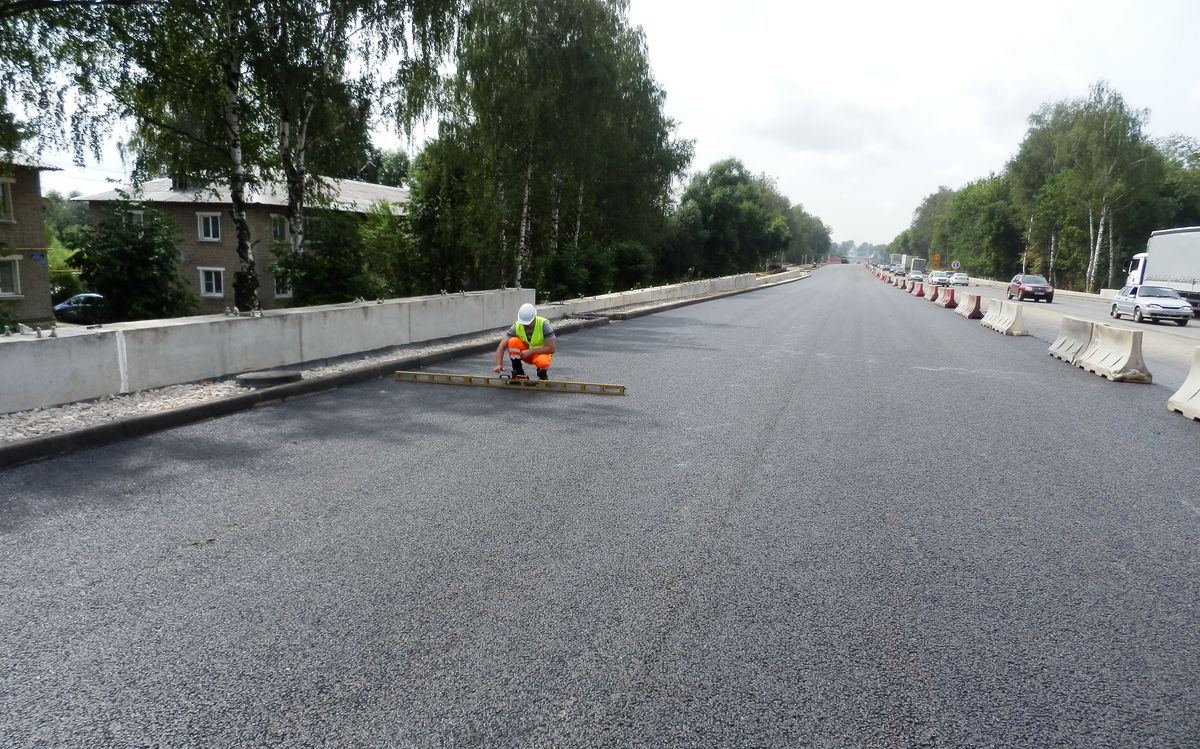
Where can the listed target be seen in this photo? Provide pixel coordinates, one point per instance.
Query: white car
(960, 279)
(916, 275)
(1151, 303)
(939, 278)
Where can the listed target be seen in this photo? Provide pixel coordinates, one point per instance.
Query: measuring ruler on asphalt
(508, 383)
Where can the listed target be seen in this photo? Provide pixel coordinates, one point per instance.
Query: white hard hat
(526, 314)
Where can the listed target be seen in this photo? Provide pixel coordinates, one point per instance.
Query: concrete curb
(687, 302)
(40, 448)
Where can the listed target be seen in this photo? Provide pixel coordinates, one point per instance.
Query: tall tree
(275, 99)
(133, 264)
(925, 219)
(50, 54)
(556, 104)
(734, 218)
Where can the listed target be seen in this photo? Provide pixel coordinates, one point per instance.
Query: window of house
(279, 228)
(10, 277)
(283, 289)
(137, 218)
(6, 203)
(212, 282)
(208, 227)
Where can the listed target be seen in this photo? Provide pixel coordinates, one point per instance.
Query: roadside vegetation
(552, 165)
(1081, 195)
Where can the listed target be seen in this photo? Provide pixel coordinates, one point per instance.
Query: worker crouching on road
(530, 339)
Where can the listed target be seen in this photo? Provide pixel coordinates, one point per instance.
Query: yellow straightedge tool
(551, 386)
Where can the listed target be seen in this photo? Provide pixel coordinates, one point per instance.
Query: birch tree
(190, 94)
(556, 102)
(238, 93)
(53, 58)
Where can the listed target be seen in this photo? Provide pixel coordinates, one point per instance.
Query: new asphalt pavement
(825, 514)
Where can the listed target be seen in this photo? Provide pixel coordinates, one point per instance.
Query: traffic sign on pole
(954, 265)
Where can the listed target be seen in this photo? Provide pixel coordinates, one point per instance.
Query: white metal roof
(16, 158)
(343, 194)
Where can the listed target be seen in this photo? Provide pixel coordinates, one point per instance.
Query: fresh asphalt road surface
(773, 540)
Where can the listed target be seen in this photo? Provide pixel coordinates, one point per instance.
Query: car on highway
(85, 309)
(1151, 303)
(1029, 286)
(916, 275)
(939, 278)
(960, 279)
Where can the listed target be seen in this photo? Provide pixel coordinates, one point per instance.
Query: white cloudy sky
(860, 108)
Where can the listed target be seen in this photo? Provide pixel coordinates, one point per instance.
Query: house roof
(344, 195)
(16, 158)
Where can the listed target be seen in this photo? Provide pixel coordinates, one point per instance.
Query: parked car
(85, 309)
(1029, 286)
(1151, 303)
(960, 279)
(939, 278)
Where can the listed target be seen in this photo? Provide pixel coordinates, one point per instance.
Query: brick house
(24, 251)
(207, 241)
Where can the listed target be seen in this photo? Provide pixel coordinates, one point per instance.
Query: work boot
(543, 374)
(518, 370)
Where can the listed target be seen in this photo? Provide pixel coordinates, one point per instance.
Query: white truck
(1171, 259)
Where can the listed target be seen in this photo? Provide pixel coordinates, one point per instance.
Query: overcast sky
(859, 109)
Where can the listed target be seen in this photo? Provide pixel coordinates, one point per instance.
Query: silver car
(1151, 303)
(916, 275)
(939, 278)
(960, 278)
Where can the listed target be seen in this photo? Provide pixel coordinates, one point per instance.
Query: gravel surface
(826, 514)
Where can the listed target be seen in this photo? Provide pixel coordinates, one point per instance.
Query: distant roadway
(826, 514)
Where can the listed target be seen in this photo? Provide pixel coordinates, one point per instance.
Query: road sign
(955, 265)
(937, 260)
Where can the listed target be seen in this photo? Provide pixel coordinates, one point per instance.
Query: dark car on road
(85, 309)
(1027, 286)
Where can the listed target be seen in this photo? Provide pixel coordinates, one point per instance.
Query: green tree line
(1081, 195)
(554, 165)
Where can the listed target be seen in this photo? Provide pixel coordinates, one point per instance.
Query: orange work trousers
(517, 347)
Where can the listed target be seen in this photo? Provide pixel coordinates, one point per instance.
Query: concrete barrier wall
(947, 300)
(1004, 317)
(154, 353)
(969, 307)
(39, 372)
(1186, 399)
(1115, 354)
(1074, 335)
(653, 294)
(136, 356)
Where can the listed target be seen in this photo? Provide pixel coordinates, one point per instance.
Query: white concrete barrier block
(992, 315)
(39, 372)
(1073, 337)
(168, 352)
(1186, 399)
(1115, 354)
(441, 316)
(354, 328)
